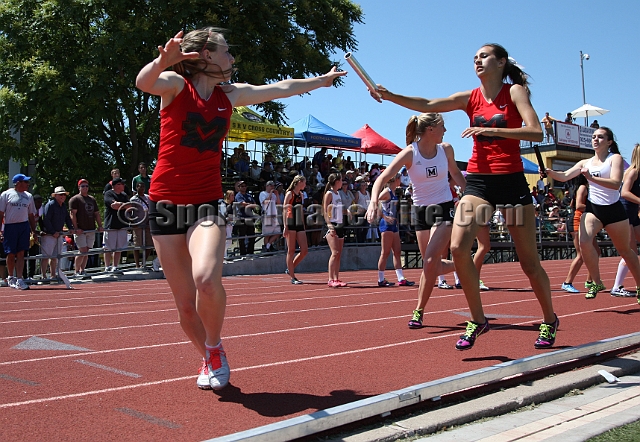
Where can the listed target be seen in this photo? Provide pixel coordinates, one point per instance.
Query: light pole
(584, 99)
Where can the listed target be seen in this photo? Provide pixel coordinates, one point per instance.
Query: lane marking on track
(253, 367)
(460, 294)
(271, 332)
(107, 368)
(85, 306)
(18, 380)
(65, 318)
(279, 313)
(147, 417)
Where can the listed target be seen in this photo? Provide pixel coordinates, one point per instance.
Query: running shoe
(21, 285)
(443, 285)
(334, 283)
(620, 292)
(217, 367)
(295, 281)
(588, 284)
(11, 282)
(286, 271)
(340, 283)
(568, 287)
(405, 282)
(458, 285)
(416, 320)
(593, 291)
(483, 287)
(385, 283)
(203, 377)
(474, 330)
(547, 335)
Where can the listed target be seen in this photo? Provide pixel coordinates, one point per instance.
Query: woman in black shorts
(500, 115)
(294, 227)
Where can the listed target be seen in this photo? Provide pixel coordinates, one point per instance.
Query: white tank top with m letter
(429, 177)
(600, 195)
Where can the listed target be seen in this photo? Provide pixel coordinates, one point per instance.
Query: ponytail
(419, 123)
(411, 129)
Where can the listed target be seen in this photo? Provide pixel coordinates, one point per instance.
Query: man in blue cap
(18, 212)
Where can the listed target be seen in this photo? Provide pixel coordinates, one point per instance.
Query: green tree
(67, 77)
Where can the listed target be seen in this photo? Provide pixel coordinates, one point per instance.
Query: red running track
(292, 349)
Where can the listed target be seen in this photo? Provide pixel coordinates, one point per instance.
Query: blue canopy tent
(309, 132)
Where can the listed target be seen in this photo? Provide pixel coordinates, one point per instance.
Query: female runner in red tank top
(497, 110)
(195, 112)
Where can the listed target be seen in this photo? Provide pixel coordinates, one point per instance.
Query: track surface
(130, 375)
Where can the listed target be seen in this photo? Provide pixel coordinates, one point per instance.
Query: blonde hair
(210, 38)
(229, 195)
(295, 182)
(635, 157)
(419, 123)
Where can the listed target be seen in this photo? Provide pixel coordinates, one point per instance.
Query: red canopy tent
(373, 142)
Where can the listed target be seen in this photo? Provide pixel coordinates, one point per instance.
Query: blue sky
(425, 48)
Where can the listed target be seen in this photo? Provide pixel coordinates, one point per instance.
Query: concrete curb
(499, 403)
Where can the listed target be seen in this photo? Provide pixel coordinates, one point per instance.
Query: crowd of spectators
(31, 228)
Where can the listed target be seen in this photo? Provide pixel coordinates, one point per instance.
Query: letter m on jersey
(201, 134)
(432, 172)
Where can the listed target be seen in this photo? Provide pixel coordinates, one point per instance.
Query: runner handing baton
(195, 117)
(497, 110)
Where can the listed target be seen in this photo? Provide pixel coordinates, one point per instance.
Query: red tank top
(494, 154)
(192, 132)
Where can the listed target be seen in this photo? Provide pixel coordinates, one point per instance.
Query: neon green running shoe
(588, 284)
(593, 291)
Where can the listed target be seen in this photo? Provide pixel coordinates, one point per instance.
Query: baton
(360, 71)
(540, 161)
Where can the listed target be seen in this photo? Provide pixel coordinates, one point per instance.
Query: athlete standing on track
(630, 199)
(496, 110)
(294, 227)
(603, 210)
(195, 112)
(390, 233)
(332, 210)
(578, 204)
(427, 160)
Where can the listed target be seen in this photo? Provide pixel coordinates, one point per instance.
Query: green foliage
(67, 77)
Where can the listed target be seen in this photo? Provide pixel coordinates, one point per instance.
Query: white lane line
(107, 368)
(65, 318)
(271, 332)
(253, 367)
(83, 306)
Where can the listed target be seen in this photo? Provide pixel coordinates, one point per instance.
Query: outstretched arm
(457, 101)
(242, 94)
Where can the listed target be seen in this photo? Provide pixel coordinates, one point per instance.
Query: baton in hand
(361, 72)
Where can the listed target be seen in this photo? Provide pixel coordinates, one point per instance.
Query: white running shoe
(21, 285)
(218, 368)
(11, 282)
(443, 285)
(620, 292)
(203, 377)
(483, 287)
(156, 264)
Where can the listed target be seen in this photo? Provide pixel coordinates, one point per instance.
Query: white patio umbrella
(587, 110)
